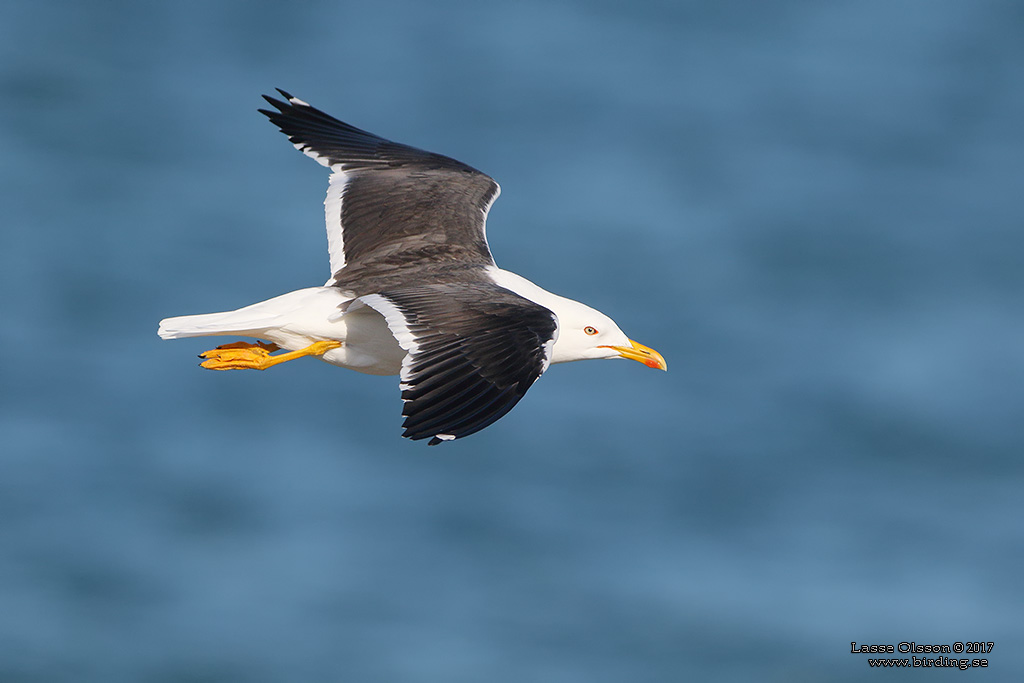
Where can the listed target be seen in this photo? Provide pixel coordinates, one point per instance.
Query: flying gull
(414, 290)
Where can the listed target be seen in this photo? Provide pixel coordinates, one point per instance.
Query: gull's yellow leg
(246, 356)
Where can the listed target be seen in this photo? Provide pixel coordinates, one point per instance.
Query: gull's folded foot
(246, 356)
(238, 356)
(269, 346)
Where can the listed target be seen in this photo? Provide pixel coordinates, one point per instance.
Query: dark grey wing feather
(341, 143)
(474, 350)
(399, 204)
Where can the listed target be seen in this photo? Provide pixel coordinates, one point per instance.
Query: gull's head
(585, 333)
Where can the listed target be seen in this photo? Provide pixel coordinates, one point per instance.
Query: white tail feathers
(305, 311)
(206, 325)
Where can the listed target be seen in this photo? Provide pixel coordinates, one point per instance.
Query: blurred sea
(813, 210)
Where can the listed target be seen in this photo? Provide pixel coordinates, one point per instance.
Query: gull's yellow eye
(590, 330)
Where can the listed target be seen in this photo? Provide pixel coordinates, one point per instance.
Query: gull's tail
(251, 321)
(209, 324)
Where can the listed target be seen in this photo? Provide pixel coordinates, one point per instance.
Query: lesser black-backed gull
(414, 290)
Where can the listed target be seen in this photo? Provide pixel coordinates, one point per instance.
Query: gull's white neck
(526, 289)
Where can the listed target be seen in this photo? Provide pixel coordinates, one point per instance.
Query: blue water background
(813, 210)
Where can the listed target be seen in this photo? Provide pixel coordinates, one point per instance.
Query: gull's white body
(295, 320)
